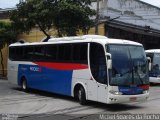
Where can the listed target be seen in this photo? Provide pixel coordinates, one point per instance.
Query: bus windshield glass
(156, 63)
(129, 65)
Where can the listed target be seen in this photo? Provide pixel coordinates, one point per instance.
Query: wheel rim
(79, 95)
(24, 85)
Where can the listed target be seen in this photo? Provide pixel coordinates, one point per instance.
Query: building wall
(148, 41)
(36, 36)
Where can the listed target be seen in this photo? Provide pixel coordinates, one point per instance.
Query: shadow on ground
(105, 107)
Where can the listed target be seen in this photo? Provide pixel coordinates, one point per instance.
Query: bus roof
(153, 51)
(81, 39)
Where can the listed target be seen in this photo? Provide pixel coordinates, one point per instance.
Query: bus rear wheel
(81, 96)
(24, 84)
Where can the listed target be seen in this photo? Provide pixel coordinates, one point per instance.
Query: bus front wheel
(82, 96)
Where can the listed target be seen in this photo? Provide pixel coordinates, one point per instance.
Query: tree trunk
(2, 63)
(44, 32)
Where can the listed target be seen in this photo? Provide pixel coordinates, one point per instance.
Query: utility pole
(97, 19)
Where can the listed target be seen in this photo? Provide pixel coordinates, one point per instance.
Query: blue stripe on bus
(130, 90)
(46, 79)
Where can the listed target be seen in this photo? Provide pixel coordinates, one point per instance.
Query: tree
(67, 16)
(72, 16)
(7, 36)
(32, 13)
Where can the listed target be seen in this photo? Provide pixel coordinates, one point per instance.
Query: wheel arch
(77, 87)
(21, 78)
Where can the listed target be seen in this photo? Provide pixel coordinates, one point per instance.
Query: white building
(131, 19)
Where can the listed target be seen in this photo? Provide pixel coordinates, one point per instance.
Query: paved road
(39, 105)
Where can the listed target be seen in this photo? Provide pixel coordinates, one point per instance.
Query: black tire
(24, 85)
(82, 96)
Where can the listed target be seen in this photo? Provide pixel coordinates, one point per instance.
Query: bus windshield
(129, 65)
(155, 66)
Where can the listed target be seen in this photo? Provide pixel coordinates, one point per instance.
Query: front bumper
(126, 98)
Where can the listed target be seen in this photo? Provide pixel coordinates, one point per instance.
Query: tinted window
(51, 52)
(98, 63)
(19, 53)
(39, 52)
(72, 53)
(61, 52)
(12, 52)
(80, 53)
(28, 53)
(67, 52)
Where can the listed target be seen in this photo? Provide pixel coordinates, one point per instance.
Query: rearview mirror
(109, 60)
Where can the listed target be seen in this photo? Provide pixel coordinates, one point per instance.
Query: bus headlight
(115, 92)
(145, 92)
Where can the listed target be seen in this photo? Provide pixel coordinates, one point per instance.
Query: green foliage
(67, 16)
(72, 16)
(7, 34)
(31, 13)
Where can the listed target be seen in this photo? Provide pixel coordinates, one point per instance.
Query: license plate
(133, 99)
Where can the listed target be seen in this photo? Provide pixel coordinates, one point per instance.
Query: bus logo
(35, 69)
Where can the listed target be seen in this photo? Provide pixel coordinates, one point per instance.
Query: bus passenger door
(102, 80)
(92, 89)
(102, 93)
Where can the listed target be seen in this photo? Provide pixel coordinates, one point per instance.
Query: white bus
(154, 74)
(88, 67)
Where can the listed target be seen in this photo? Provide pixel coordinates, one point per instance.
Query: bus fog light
(115, 92)
(113, 99)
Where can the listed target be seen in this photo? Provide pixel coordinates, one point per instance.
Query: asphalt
(18, 105)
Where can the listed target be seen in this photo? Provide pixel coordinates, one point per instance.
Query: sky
(153, 2)
(8, 3)
(12, 3)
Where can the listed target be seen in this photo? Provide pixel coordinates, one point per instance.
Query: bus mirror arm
(109, 60)
(149, 63)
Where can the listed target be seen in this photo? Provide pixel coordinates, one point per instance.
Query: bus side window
(67, 53)
(51, 53)
(12, 53)
(79, 53)
(28, 53)
(16, 53)
(39, 53)
(19, 53)
(98, 63)
(64, 53)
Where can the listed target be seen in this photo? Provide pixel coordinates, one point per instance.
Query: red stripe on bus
(62, 66)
